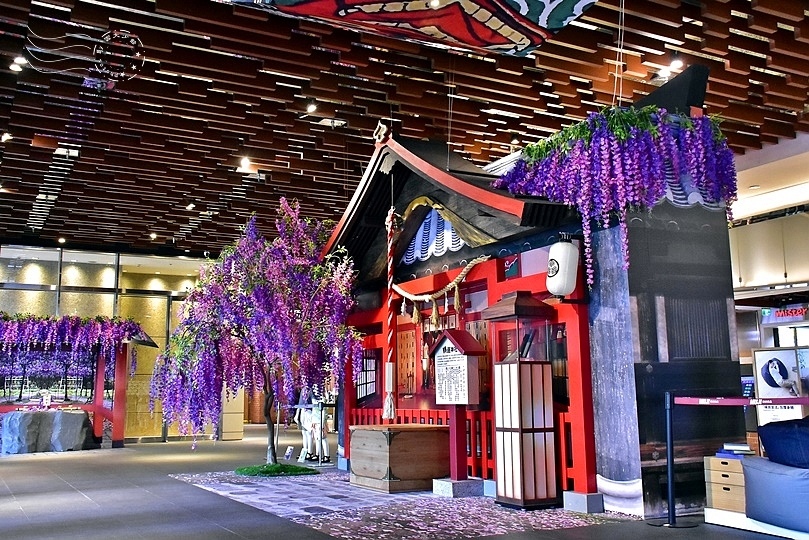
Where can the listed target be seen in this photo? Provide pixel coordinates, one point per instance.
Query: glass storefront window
(29, 266)
(152, 273)
(28, 280)
(88, 269)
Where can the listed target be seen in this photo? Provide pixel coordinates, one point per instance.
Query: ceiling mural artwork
(503, 26)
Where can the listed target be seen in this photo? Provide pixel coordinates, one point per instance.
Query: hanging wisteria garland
(262, 309)
(46, 345)
(616, 160)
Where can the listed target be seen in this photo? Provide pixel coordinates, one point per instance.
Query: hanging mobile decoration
(117, 56)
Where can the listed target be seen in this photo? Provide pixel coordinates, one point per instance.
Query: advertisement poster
(777, 376)
(803, 370)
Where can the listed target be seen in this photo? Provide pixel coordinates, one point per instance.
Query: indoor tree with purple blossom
(265, 315)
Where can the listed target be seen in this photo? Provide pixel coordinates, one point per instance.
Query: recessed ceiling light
(15, 67)
(158, 273)
(61, 240)
(311, 107)
(20, 60)
(153, 236)
(245, 163)
(190, 206)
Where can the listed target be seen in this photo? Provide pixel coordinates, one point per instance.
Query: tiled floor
(299, 497)
(168, 490)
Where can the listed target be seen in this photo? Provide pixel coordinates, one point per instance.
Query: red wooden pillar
(119, 396)
(457, 442)
(98, 399)
(580, 412)
(349, 404)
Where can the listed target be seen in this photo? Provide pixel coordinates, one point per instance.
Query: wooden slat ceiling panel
(222, 82)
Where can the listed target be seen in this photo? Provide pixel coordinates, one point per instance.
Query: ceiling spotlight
(245, 163)
(15, 67)
(61, 240)
(311, 107)
(435, 3)
(153, 236)
(664, 73)
(6, 136)
(676, 62)
(190, 206)
(21, 60)
(515, 138)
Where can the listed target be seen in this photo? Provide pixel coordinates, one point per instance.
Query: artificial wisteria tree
(619, 159)
(265, 315)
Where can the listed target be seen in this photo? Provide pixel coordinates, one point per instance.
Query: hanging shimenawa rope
(454, 283)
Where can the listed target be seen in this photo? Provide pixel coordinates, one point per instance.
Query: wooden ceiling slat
(221, 82)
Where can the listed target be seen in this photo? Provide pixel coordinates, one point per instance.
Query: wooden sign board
(456, 376)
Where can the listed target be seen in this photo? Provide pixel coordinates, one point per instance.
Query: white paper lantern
(563, 264)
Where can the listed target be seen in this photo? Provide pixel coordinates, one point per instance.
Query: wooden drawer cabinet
(724, 484)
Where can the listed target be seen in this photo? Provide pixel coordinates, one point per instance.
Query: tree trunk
(269, 400)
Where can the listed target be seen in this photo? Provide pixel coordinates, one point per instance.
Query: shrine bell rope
(388, 411)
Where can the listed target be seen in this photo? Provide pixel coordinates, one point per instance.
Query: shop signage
(795, 313)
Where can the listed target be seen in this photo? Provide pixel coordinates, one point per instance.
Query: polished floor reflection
(168, 490)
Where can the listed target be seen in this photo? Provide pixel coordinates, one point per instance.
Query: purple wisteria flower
(265, 316)
(616, 160)
(50, 347)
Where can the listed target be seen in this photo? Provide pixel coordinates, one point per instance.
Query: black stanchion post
(670, 458)
(672, 520)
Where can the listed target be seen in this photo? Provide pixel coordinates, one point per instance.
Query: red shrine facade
(457, 248)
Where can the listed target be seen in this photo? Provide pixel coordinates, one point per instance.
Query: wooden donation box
(399, 457)
(525, 444)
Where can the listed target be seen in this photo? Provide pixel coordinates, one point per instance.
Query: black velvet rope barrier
(711, 402)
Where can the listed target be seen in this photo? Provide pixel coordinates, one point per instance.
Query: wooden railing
(479, 433)
(479, 437)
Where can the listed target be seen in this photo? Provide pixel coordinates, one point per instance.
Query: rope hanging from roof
(443, 291)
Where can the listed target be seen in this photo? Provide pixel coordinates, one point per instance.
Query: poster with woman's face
(776, 373)
(777, 376)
